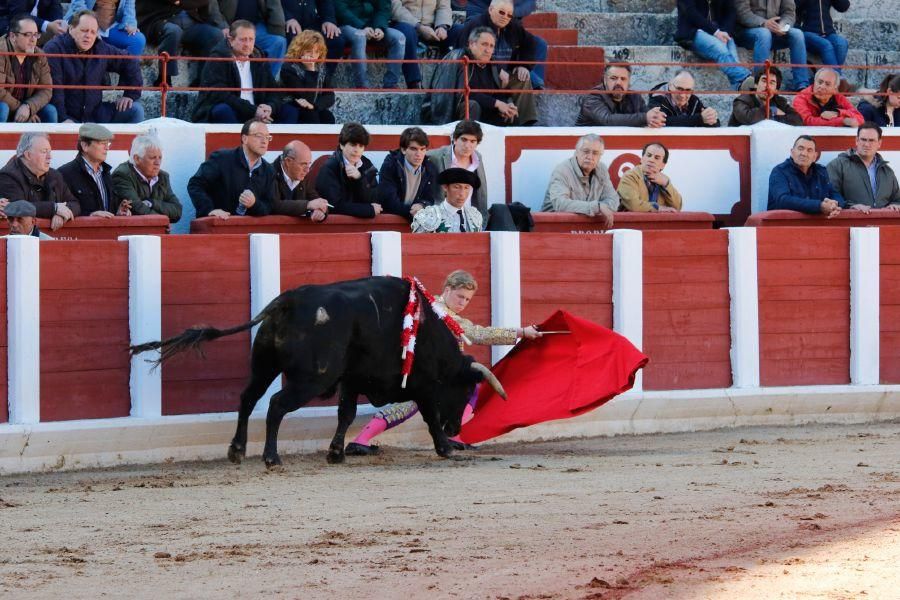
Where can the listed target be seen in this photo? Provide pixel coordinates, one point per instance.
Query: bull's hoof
(457, 445)
(272, 461)
(445, 452)
(355, 449)
(235, 454)
(334, 458)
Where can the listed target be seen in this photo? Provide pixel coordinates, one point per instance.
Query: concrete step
(607, 6)
(556, 37)
(547, 20)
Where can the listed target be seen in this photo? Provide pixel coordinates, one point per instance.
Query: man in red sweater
(821, 104)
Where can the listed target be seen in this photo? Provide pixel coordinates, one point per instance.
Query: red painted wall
(4, 337)
(890, 304)
(686, 310)
(84, 330)
(566, 271)
(804, 306)
(206, 280)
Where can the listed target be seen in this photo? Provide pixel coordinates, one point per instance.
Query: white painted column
(865, 304)
(387, 256)
(23, 310)
(628, 289)
(145, 322)
(743, 288)
(265, 286)
(506, 285)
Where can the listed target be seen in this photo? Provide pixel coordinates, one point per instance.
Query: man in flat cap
(90, 177)
(21, 218)
(453, 214)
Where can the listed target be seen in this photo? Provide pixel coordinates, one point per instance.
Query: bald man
(820, 105)
(292, 192)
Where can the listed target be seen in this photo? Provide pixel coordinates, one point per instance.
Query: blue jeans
(761, 41)
(275, 46)
(222, 113)
(46, 114)
(106, 113)
(396, 47)
(711, 48)
(540, 55)
(832, 48)
(411, 72)
(132, 44)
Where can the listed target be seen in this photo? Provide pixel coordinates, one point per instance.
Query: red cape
(555, 377)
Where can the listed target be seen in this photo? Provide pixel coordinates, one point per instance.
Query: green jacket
(363, 13)
(850, 178)
(161, 201)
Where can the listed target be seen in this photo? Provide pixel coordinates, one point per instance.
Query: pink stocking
(374, 427)
(468, 413)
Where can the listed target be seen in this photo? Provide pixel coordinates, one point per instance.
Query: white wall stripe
(387, 256)
(23, 313)
(265, 285)
(744, 291)
(865, 305)
(506, 285)
(628, 289)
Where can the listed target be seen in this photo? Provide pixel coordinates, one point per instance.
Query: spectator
(821, 104)
(348, 180)
(306, 102)
(751, 108)
(268, 18)
(22, 220)
(707, 27)
(365, 21)
(143, 184)
(89, 176)
(681, 107)
(800, 184)
(198, 27)
(618, 108)
(581, 184)
(80, 106)
(862, 177)
(512, 43)
(425, 21)
(303, 15)
(293, 194)
(521, 9)
(644, 188)
(880, 109)
(47, 13)
(28, 67)
(227, 106)
(452, 215)
(117, 23)
(768, 25)
(407, 182)
(28, 176)
(463, 152)
(236, 181)
(814, 19)
(494, 108)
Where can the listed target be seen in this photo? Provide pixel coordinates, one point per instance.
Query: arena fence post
(768, 91)
(387, 253)
(628, 289)
(23, 289)
(164, 83)
(265, 286)
(865, 301)
(467, 89)
(506, 285)
(145, 322)
(744, 293)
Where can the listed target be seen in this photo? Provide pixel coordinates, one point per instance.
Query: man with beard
(748, 109)
(618, 108)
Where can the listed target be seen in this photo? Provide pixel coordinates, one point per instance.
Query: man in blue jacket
(408, 182)
(800, 184)
(81, 106)
(707, 28)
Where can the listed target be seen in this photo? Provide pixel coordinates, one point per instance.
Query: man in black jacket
(250, 103)
(236, 181)
(89, 176)
(348, 180)
(513, 42)
(681, 107)
(707, 28)
(408, 182)
(618, 108)
(293, 193)
(751, 108)
(319, 15)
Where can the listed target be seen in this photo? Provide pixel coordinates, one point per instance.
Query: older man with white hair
(580, 184)
(141, 180)
(821, 105)
(680, 105)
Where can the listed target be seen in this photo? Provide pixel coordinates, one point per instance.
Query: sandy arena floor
(804, 512)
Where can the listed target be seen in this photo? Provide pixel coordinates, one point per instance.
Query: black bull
(345, 333)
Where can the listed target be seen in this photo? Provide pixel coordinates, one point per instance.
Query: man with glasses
(581, 183)
(236, 181)
(26, 68)
(862, 176)
(29, 177)
(89, 176)
(821, 105)
(681, 107)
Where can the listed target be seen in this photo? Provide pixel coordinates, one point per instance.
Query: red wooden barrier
(205, 281)
(804, 306)
(284, 224)
(4, 338)
(847, 218)
(890, 304)
(686, 310)
(432, 256)
(84, 330)
(573, 223)
(570, 272)
(98, 228)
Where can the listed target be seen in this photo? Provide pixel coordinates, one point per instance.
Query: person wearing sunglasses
(28, 67)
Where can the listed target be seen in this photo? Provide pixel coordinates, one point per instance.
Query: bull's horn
(490, 377)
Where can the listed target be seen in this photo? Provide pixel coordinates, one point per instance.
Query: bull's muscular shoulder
(427, 220)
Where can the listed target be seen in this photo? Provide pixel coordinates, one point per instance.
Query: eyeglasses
(261, 136)
(106, 143)
(503, 13)
(30, 35)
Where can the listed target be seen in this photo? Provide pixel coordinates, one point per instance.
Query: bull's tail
(192, 339)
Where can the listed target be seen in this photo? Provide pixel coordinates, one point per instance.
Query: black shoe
(354, 449)
(456, 445)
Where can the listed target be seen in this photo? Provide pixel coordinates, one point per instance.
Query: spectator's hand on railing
(318, 216)
(330, 30)
(656, 118)
(607, 215)
(709, 115)
(319, 204)
(218, 212)
(102, 213)
(667, 209)
(292, 26)
(830, 208)
(522, 73)
(64, 211)
(124, 103)
(56, 222)
(124, 208)
(377, 208)
(863, 208)
(893, 207)
(851, 122)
